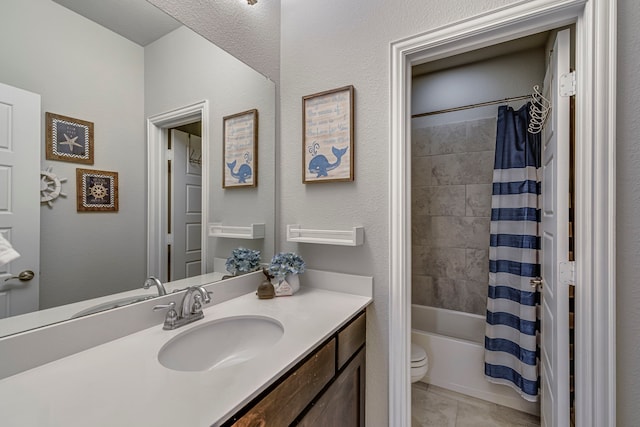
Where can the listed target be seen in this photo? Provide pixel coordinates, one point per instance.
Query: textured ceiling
(136, 20)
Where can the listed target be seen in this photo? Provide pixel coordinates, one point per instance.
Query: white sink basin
(220, 343)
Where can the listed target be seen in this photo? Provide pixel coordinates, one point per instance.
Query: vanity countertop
(122, 382)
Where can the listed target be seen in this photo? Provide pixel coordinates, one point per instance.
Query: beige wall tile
(420, 142)
(446, 200)
(477, 264)
(481, 135)
(420, 197)
(446, 293)
(479, 199)
(463, 168)
(421, 230)
(422, 290)
(459, 232)
(445, 263)
(420, 171)
(447, 139)
(452, 171)
(472, 296)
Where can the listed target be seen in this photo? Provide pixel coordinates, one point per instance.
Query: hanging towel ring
(539, 110)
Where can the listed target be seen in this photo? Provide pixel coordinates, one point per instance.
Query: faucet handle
(197, 304)
(170, 306)
(172, 315)
(207, 296)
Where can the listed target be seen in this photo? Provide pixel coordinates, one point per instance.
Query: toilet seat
(419, 363)
(417, 353)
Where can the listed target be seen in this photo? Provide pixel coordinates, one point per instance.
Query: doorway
(184, 200)
(595, 173)
(475, 240)
(455, 109)
(160, 222)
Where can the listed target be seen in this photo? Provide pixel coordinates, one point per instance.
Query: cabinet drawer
(351, 338)
(291, 396)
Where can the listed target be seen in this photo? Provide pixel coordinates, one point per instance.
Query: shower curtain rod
(467, 107)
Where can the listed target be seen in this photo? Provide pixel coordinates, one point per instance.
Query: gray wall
(328, 44)
(628, 214)
(84, 71)
(325, 45)
(183, 68)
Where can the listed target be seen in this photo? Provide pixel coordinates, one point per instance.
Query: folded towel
(7, 253)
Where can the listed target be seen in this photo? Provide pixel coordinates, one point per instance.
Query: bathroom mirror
(117, 80)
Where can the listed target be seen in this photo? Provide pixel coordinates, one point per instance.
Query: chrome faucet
(153, 281)
(190, 308)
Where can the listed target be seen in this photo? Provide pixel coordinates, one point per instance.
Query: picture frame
(240, 150)
(328, 136)
(96, 190)
(68, 139)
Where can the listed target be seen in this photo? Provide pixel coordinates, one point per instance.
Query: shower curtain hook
(538, 110)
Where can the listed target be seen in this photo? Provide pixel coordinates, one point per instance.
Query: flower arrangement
(243, 260)
(286, 263)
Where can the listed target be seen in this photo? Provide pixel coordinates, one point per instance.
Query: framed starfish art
(69, 139)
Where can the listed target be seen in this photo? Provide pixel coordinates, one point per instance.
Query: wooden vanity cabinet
(325, 389)
(343, 402)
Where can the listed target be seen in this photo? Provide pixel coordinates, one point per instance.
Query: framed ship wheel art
(97, 191)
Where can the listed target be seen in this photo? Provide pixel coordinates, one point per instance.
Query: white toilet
(419, 363)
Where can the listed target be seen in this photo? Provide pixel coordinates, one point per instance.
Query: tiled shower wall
(452, 169)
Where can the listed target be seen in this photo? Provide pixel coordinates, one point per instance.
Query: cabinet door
(289, 398)
(342, 405)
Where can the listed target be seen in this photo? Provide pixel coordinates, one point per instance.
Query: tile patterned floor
(433, 406)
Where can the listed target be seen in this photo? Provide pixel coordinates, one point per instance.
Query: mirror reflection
(136, 84)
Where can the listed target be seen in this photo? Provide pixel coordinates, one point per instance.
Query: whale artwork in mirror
(156, 93)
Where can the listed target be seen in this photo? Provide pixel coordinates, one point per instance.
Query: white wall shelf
(353, 237)
(253, 231)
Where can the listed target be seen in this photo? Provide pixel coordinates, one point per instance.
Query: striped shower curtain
(511, 350)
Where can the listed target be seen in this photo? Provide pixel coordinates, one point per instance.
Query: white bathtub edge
(458, 365)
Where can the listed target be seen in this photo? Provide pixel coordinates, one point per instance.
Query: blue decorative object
(244, 171)
(320, 164)
(286, 263)
(243, 260)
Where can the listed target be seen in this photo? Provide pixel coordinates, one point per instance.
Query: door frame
(157, 135)
(595, 208)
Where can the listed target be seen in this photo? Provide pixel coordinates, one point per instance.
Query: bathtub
(454, 342)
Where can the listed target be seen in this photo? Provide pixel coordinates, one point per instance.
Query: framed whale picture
(240, 150)
(327, 135)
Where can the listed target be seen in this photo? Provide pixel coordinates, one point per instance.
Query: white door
(555, 243)
(187, 206)
(20, 198)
